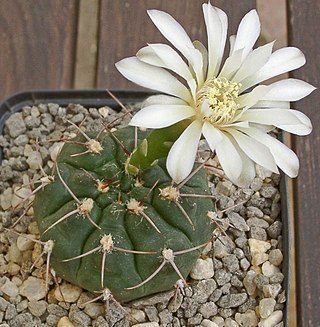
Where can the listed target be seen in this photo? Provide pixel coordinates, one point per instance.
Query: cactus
(120, 226)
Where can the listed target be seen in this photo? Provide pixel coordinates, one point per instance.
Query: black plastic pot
(99, 98)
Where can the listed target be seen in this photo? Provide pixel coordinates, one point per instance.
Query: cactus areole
(134, 234)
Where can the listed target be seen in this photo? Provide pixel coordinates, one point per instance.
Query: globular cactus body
(98, 215)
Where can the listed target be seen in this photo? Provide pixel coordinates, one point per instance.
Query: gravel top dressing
(237, 281)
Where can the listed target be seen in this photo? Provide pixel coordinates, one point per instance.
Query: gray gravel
(236, 282)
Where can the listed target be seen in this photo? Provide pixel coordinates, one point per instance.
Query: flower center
(221, 96)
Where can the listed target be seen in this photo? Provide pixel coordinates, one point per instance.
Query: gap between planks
(87, 45)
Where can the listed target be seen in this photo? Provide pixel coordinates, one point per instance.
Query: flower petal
(144, 74)
(290, 89)
(162, 55)
(292, 121)
(248, 172)
(272, 104)
(176, 34)
(163, 100)
(183, 153)
(248, 100)
(285, 158)
(281, 61)
(159, 116)
(228, 156)
(232, 64)
(255, 150)
(248, 33)
(254, 61)
(216, 24)
(204, 52)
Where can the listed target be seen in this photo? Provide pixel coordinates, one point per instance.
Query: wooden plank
(304, 17)
(87, 47)
(125, 27)
(37, 44)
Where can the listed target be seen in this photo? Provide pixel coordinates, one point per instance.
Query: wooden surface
(59, 44)
(118, 19)
(37, 44)
(304, 27)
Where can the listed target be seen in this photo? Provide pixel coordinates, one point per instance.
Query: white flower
(222, 102)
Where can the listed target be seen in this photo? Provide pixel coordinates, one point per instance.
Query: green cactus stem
(134, 235)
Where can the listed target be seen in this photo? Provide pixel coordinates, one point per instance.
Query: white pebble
(202, 269)
(6, 199)
(276, 257)
(272, 320)
(24, 242)
(258, 258)
(248, 319)
(258, 246)
(34, 160)
(271, 290)
(248, 282)
(104, 111)
(268, 269)
(208, 323)
(266, 307)
(33, 289)
(65, 322)
(147, 324)
(9, 288)
(70, 292)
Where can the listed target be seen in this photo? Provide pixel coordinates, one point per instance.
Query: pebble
(94, 310)
(208, 323)
(79, 318)
(16, 125)
(223, 246)
(272, 320)
(276, 257)
(266, 307)
(271, 290)
(202, 269)
(268, 269)
(222, 276)
(147, 324)
(238, 222)
(65, 322)
(37, 308)
(203, 290)
(248, 319)
(248, 282)
(208, 309)
(258, 246)
(70, 292)
(258, 258)
(33, 289)
(25, 242)
(224, 187)
(232, 300)
(275, 229)
(9, 289)
(231, 262)
(230, 323)
(258, 233)
(219, 321)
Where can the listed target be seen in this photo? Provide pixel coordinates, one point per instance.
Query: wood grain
(303, 33)
(37, 44)
(125, 27)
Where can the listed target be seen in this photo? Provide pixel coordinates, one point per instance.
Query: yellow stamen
(221, 95)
